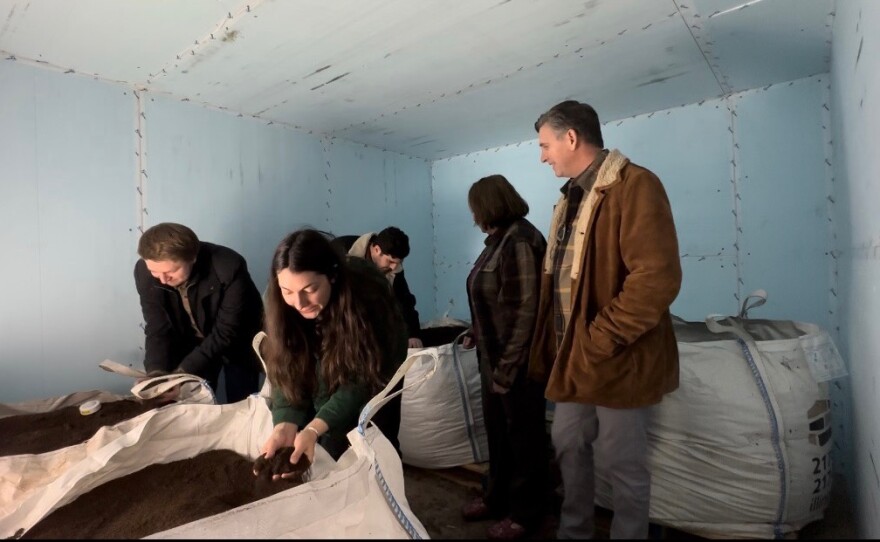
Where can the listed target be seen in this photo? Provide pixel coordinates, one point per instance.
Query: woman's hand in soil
(304, 444)
(279, 466)
(307, 438)
(282, 436)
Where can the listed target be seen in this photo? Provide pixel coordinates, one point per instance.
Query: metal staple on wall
(734, 180)
(140, 148)
(833, 301)
(326, 152)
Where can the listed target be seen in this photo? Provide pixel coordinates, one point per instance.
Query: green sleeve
(341, 410)
(283, 411)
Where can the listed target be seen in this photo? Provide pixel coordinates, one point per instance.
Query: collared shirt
(575, 190)
(182, 289)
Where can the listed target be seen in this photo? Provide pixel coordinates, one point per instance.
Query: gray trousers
(619, 437)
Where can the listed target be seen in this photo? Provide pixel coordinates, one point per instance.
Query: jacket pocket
(599, 347)
(608, 382)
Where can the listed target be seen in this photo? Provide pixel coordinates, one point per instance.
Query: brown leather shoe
(506, 529)
(475, 510)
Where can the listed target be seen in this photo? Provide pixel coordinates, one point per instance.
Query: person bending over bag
(335, 338)
(201, 309)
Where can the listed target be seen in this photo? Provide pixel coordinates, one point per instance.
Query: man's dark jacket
(404, 297)
(226, 306)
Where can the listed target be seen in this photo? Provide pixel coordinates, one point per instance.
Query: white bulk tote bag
(362, 497)
(742, 448)
(441, 419)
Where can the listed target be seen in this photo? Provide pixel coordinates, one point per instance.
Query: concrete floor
(436, 496)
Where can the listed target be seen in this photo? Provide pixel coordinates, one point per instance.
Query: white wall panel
(21, 341)
(284, 189)
(784, 214)
(855, 110)
(371, 189)
(68, 208)
(457, 241)
(690, 149)
(235, 181)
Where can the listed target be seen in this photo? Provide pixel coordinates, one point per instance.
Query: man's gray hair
(577, 116)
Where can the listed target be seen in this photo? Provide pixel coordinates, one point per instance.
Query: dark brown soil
(47, 431)
(161, 497)
(280, 464)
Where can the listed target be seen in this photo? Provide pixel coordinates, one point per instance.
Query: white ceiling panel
(121, 40)
(756, 43)
(504, 110)
(428, 78)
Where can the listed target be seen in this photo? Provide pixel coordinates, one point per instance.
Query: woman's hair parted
(495, 202)
(348, 346)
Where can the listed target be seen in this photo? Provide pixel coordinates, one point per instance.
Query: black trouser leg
(497, 489)
(518, 460)
(241, 381)
(527, 436)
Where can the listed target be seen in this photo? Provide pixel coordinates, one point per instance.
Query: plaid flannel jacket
(503, 291)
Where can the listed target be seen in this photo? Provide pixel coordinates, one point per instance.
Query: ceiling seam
(140, 87)
(721, 86)
(12, 57)
(222, 32)
(487, 81)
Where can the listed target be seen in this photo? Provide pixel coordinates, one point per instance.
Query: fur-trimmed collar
(608, 175)
(609, 172)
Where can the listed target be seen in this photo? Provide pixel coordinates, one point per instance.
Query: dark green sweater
(340, 409)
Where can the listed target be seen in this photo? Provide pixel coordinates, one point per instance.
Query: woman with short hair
(503, 291)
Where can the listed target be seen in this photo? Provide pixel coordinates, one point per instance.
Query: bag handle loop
(258, 340)
(759, 295)
(154, 387)
(383, 397)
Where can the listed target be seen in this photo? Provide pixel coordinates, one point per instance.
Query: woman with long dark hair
(335, 336)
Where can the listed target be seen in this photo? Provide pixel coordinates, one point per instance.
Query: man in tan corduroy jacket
(603, 340)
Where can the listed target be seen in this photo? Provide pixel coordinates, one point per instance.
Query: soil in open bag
(163, 496)
(46, 431)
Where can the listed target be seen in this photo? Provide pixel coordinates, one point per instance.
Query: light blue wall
(752, 162)
(855, 108)
(70, 210)
(689, 148)
(67, 218)
(748, 177)
(234, 181)
(457, 241)
(371, 189)
(783, 143)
